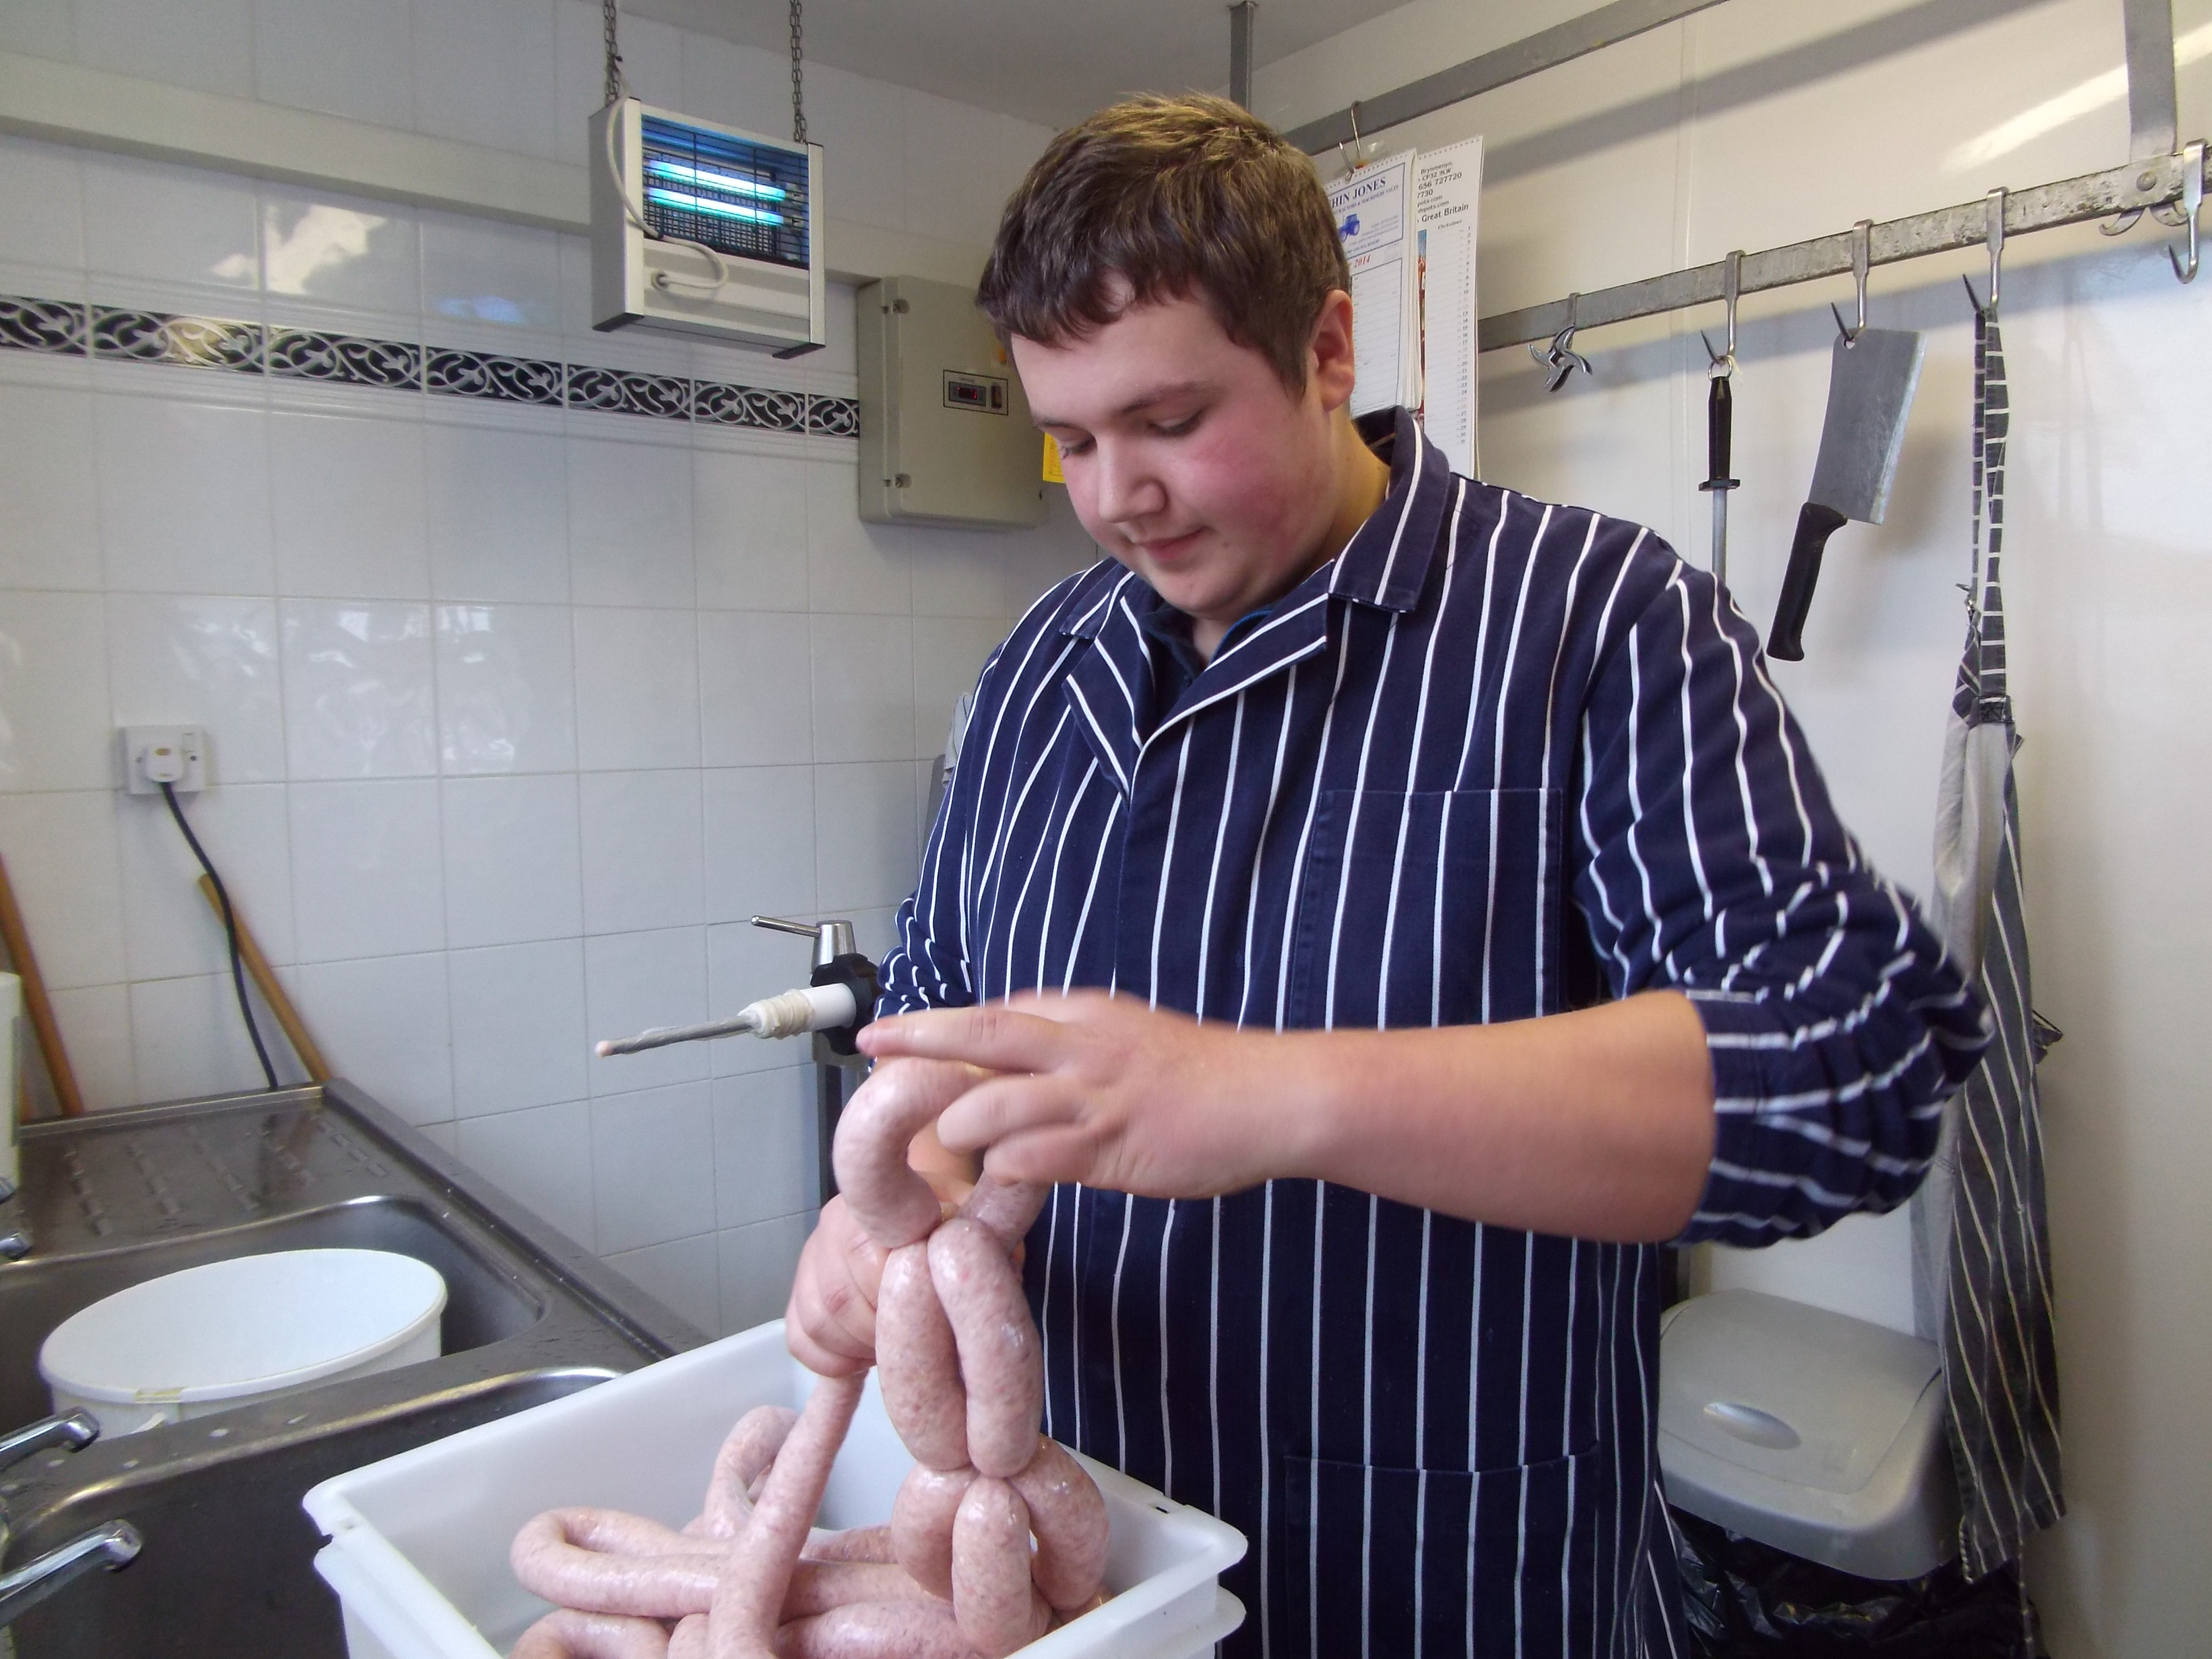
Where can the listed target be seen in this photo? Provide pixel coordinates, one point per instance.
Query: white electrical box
(705, 229)
(155, 754)
(945, 435)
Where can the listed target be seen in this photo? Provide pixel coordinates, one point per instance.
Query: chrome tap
(831, 939)
(115, 1545)
(72, 1431)
(111, 1545)
(15, 1242)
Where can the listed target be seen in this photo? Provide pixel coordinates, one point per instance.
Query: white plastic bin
(418, 1542)
(225, 1333)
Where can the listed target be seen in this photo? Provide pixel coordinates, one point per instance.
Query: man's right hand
(831, 1325)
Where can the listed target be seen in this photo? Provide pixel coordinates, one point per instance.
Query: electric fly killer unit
(704, 229)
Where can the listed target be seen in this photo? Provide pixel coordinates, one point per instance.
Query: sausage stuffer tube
(837, 1001)
(792, 1013)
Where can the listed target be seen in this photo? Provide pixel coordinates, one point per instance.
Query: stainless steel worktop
(117, 1198)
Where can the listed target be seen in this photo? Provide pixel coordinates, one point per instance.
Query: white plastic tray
(418, 1542)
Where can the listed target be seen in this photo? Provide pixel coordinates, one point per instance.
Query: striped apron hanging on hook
(1980, 1239)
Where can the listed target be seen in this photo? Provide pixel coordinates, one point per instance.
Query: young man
(1390, 907)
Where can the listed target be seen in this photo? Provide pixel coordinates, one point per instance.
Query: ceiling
(1048, 61)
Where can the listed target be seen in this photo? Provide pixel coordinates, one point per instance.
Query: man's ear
(1330, 369)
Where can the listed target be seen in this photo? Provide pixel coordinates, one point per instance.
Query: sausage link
(817, 1586)
(741, 1621)
(876, 1629)
(918, 1362)
(893, 1205)
(1001, 1359)
(744, 1457)
(566, 1634)
(922, 1524)
(602, 1561)
(1067, 1513)
(852, 1544)
(998, 1608)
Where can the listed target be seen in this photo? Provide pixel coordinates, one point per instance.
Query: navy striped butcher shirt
(1496, 759)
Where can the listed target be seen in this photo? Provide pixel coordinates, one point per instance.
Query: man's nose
(1129, 490)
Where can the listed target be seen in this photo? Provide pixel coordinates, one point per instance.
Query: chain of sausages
(996, 1536)
(962, 1375)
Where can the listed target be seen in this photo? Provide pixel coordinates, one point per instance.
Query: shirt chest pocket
(1433, 908)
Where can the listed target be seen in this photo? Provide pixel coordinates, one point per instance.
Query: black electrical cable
(230, 929)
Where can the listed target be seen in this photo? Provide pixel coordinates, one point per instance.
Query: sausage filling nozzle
(793, 1013)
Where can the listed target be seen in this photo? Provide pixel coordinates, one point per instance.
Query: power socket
(155, 754)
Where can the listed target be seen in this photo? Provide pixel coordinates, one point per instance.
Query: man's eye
(1073, 446)
(1176, 429)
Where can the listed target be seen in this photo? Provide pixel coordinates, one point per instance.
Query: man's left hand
(1105, 1091)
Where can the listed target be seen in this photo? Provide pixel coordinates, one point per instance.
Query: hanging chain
(798, 91)
(614, 52)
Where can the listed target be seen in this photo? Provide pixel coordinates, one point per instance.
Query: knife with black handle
(1720, 409)
(1815, 524)
(1871, 380)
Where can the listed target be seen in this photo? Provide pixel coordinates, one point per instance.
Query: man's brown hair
(1173, 196)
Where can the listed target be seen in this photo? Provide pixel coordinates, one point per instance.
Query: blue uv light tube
(677, 198)
(729, 181)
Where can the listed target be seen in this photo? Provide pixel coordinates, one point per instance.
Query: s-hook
(1720, 415)
(1993, 212)
(1358, 161)
(2192, 197)
(1862, 262)
(2176, 214)
(1562, 358)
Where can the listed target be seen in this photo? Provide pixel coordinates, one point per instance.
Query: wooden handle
(272, 993)
(17, 938)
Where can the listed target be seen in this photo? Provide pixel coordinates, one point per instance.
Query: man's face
(1187, 458)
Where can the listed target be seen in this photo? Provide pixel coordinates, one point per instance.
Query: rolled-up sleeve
(1711, 861)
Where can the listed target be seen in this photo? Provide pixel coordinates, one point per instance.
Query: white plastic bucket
(214, 1337)
(418, 1542)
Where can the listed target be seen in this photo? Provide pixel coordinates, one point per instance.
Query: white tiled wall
(515, 714)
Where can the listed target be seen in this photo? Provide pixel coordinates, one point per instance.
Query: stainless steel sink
(121, 1197)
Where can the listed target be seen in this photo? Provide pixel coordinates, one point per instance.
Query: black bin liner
(1745, 1600)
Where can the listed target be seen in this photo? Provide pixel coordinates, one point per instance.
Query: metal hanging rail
(2155, 179)
(1545, 49)
(2150, 183)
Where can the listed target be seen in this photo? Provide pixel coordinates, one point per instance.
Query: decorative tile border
(491, 375)
(68, 328)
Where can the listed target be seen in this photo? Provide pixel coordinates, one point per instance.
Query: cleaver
(1870, 387)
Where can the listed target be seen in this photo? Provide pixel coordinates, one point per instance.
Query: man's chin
(1186, 590)
(1192, 598)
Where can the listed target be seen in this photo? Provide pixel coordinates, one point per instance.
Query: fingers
(821, 1341)
(998, 1038)
(1048, 1156)
(1064, 1007)
(817, 1359)
(1007, 1106)
(830, 1324)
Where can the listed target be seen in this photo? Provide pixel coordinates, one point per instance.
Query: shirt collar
(1386, 563)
